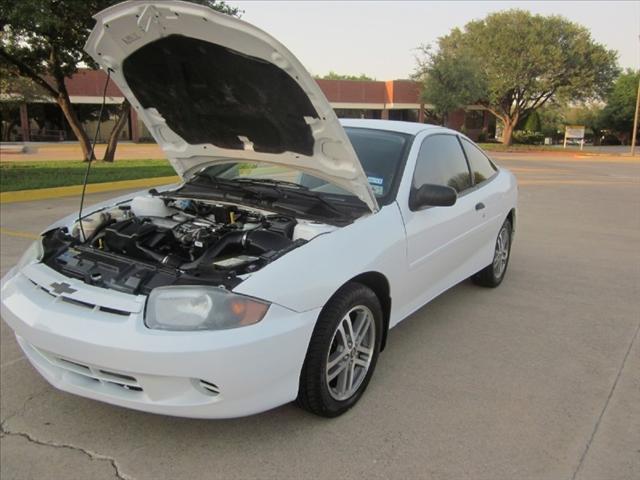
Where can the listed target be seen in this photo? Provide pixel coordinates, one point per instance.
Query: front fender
(308, 276)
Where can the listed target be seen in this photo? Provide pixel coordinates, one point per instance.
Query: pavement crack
(4, 431)
(23, 407)
(606, 404)
(92, 455)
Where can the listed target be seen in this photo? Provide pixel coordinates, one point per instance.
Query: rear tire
(342, 353)
(492, 275)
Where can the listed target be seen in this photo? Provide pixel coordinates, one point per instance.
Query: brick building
(392, 99)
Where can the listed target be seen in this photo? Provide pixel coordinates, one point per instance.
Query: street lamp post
(635, 123)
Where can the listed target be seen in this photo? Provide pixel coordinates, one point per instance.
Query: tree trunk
(507, 130)
(58, 91)
(69, 112)
(74, 122)
(110, 152)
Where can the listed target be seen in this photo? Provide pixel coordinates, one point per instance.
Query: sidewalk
(36, 151)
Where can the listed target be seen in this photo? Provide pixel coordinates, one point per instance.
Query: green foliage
(528, 137)
(532, 123)
(518, 61)
(30, 175)
(551, 119)
(43, 41)
(337, 76)
(449, 82)
(49, 36)
(618, 113)
(16, 89)
(589, 115)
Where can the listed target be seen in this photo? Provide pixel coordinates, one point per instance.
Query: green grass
(516, 147)
(31, 175)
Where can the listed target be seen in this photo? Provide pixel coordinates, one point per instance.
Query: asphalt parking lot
(538, 379)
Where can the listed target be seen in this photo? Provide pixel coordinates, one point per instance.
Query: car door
(440, 240)
(488, 203)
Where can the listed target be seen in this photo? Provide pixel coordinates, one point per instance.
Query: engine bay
(157, 241)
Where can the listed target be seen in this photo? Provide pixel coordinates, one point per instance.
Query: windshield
(380, 152)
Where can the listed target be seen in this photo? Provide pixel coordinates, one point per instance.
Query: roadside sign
(575, 132)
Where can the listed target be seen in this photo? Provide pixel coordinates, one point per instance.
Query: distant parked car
(275, 270)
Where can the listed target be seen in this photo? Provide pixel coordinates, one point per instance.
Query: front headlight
(32, 255)
(201, 308)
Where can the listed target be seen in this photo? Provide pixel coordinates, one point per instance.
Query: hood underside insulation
(210, 94)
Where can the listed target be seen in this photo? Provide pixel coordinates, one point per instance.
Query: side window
(441, 162)
(481, 166)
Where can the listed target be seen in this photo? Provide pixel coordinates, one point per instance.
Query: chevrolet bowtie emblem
(60, 288)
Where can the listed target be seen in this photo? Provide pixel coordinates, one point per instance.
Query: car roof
(412, 128)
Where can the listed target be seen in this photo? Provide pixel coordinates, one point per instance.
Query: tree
(552, 119)
(448, 83)
(619, 110)
(588, 115)
(337, 76)
(519, 61)
(532, 122)
(43, 41)
(15, 91)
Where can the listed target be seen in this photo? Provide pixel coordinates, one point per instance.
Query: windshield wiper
(318, 197)
(221, 182)
(271, 182)
(243, 183)
(298, 189)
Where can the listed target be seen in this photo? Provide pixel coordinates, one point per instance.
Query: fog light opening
(211, 388)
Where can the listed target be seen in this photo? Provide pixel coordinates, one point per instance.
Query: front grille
(108, 377)
(80, 303)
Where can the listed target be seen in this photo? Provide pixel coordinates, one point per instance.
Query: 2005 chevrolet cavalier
(274, 272)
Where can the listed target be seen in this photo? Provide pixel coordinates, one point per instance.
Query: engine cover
(128, 236)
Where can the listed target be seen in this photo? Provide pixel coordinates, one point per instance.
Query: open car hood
(210, 88)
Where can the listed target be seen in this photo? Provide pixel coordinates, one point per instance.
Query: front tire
(343, 352)
(492, 275)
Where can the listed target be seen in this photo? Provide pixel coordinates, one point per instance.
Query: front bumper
(97, 346)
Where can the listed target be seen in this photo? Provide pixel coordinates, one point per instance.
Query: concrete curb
(73, 190)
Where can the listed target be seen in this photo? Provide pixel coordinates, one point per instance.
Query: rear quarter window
(481, 167)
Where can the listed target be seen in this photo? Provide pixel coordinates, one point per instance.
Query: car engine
(153, 241)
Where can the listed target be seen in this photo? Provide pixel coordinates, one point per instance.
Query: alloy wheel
(350, 353)
(502, 252)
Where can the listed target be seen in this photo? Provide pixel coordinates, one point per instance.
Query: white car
(274, 272)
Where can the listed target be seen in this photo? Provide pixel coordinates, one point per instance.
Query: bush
(482, 137)
(528, 138)
(610, 139)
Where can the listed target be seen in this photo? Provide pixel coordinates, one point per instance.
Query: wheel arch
(379, 284)
(511, 216)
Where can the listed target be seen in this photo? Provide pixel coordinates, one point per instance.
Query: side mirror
(432, 196)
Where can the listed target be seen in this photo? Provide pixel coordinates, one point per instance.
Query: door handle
(479, 206)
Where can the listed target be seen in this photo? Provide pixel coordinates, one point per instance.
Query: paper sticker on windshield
(377, 189)
(376, 180)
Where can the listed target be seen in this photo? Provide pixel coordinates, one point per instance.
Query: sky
(379, 38)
